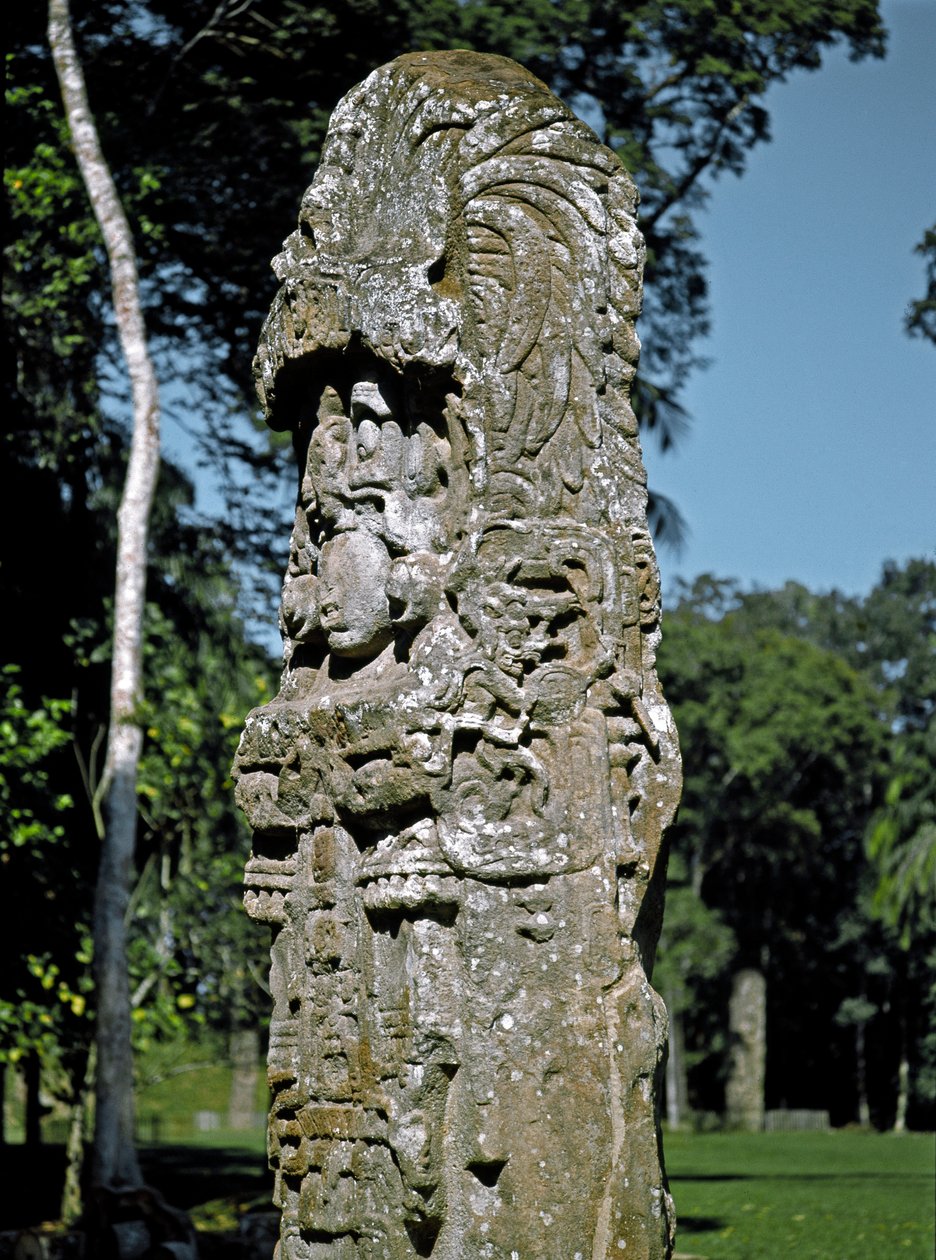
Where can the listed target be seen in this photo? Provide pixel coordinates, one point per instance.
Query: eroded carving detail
(460, 793)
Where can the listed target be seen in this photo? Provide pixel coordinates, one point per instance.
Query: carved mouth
(407, 892)
(406, 869)
(266, 883)
(380, 864)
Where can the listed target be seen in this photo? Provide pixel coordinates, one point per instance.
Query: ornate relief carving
(460, 793)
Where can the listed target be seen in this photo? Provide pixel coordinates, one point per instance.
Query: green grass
(844, 1195)
(194, 1087)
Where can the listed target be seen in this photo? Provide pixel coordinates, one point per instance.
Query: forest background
(805, 851)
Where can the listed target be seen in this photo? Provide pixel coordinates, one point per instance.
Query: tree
(837, 964)
(181, 93)
(114, 1162)
(901, 839)
(781, 742)
(694, 955)
(889, 636)
(64, 448)
(225, 106)
(920, 319)
(56, 536)
(48, 994)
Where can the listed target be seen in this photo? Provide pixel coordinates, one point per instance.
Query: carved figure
(459, 794)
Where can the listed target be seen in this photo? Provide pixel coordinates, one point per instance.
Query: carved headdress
(464, 219)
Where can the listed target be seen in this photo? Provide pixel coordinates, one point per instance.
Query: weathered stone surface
(460, 793)
(747, 1026)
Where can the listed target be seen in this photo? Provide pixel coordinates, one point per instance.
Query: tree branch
(695, 169)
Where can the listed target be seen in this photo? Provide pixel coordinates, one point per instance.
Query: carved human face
(368, 466)
(355, 459)
(648, 582)
(355, 613)
(506, 629)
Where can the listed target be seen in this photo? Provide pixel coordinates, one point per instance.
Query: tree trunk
(677, 1087)
(74, 1147)
(747, 1027)
(903, 1093)
(114, 1160)
(903, 1069)
(32, 1077)
(861, 1072)
(245, 1058)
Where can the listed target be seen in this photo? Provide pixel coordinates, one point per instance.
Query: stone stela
(459, 795)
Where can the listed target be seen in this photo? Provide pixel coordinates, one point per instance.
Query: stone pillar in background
(747, 1028)
(459, 794)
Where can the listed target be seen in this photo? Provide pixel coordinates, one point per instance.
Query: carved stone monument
(460, 792)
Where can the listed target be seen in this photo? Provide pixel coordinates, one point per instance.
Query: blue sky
(812, 451)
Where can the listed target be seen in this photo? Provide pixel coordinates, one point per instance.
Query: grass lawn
(195, 1087)
(844, 1195)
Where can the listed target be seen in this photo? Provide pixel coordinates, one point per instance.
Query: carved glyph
(460, 792)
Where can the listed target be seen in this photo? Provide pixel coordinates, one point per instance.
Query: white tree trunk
(114, 1159)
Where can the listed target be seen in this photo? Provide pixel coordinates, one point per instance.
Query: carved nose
(368, 439)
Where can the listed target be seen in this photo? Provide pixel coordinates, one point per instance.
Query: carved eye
(368, 439)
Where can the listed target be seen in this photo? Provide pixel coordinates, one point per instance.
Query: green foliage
(193, 957)
(898, 642)
(780, 741)
(52, 258)
(696, 945)
(223, 109)
(193, 951)
(27, 738)
(53, 278)
(693, 960)
(41, 1018)
(902, 840)
(921, 314)
(45, 994)
(802, 716)
(806, 829)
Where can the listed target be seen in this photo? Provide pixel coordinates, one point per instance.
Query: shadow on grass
(32, 1178)
(699, 1224)
(877, 1176)
(189, 1175)
(690, 1176)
